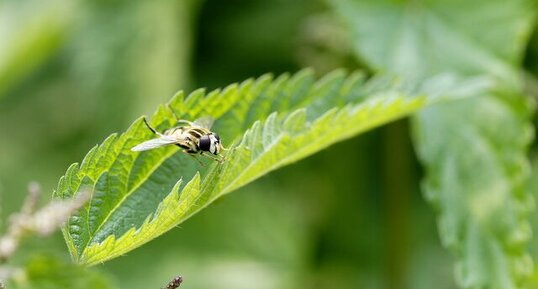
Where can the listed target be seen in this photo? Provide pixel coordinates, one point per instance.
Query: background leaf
(474, 150)
(45, 271)
(429, 37)
(135, 198)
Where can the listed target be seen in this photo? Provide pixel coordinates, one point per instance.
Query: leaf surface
(474, 150)
(266, 123)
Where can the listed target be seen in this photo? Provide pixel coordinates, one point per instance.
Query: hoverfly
(193, 137)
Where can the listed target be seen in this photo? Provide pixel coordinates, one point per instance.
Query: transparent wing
(154, 143)
(205, 122)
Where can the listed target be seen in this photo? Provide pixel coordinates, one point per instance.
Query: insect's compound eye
(205, 143)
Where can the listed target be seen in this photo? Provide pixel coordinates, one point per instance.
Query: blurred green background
(352, 216)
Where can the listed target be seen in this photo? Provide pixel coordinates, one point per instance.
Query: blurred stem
(396, 180)
(170, 39)
(31, 43)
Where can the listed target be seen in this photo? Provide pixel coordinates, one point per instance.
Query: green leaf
(474, 150)
(50, 272)
(267, 123)
(476, 180)
(423, 38)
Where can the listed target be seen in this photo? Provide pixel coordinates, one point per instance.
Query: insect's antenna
(149, 126)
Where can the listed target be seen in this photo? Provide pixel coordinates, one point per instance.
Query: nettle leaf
(267, 123)
(418, 39)
(476, 180)
(474, 150)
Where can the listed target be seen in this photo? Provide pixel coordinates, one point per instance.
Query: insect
(174, 284)
(193, 137)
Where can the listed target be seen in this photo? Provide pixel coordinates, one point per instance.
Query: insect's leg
(150, 128)
(222, 148)
(213, 157)
(194, 157)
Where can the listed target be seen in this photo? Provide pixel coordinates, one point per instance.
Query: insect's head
(210, 143)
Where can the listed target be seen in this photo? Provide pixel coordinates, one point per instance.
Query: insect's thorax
(188, 137)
